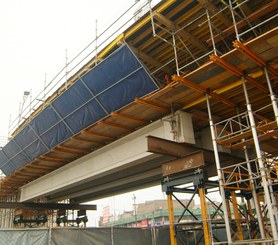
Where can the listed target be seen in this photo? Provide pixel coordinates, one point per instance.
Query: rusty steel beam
(189, 162)
(170, 148)
(180, 150)
(47, 206)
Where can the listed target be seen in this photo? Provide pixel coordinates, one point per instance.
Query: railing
(90, 52)
(3, 141)
(272, 169)
(239, 124)
(238, 176)
(232, 126)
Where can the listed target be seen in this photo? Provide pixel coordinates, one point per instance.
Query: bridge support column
(173, 238)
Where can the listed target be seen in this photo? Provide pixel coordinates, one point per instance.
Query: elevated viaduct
(189, 82)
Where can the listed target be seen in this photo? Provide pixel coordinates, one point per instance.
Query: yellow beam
(222, 90)
(237, 216)
(250, 212)
(110, 46)
(236, 71)
(173, 238)
(148, 18)
(204, 215)
(203, 90)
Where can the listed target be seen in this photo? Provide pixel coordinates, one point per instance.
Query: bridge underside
(130, 163)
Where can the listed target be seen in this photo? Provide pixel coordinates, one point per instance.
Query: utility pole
(135, 211)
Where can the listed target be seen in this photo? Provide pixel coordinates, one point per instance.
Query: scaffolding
(247, 130)
(222, 60)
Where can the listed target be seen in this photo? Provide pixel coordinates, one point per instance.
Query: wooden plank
(52, 159)
(261, 128)
(58, 150)
(261, 137)
(87, 132)
(113, 125)
(86, 141)
(152, 105)
(235, 138)
(39, 167)
(268, 126)
(74, 149)
(126, 117)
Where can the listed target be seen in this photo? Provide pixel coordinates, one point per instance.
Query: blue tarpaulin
(107, 87)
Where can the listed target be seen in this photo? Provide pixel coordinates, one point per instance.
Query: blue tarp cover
(109, 86)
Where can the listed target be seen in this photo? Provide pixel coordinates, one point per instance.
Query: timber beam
(266, 9)
(214, 10)
(149, 59)
(185, 35)
(236, 71)
(152, 105)
(203, 90)
(126, 117)
(99, 135)
(251, 55)
(116, 126)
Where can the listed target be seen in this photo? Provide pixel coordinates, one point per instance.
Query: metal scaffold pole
(254, 195)
(261, 165)
(234, 19)
(211, 32)
(176, 54)
(219, 174)
(96, 47)
(253, 187)
(272, 95)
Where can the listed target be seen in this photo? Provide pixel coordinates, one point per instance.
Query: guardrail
(3, 141)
